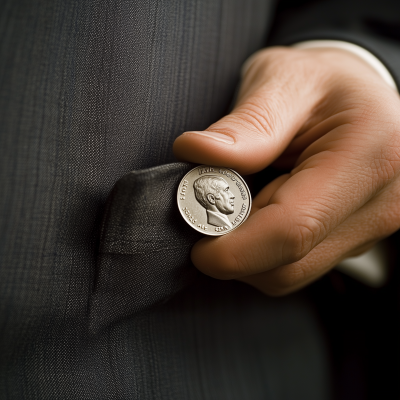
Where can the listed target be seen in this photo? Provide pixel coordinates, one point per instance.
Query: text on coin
(221, 228)
(189, 215)
(184, 187)
(205, 170)
(240, 215)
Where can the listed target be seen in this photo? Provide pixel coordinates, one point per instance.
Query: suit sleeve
(372, 25)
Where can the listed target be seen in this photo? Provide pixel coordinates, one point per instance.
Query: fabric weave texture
(98, 298)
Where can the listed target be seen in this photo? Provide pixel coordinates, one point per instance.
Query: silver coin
(213, 200)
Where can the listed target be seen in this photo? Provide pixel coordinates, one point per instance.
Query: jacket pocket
(144, 253)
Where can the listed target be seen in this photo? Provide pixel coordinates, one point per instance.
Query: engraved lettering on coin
(189, 216)
(206, 199)
(240, 216)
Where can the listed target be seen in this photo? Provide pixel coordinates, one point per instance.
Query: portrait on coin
(213, 193)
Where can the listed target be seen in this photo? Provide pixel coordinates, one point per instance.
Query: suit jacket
(98, 297)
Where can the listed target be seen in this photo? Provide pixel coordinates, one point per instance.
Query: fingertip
(219, 149)
(200, 149)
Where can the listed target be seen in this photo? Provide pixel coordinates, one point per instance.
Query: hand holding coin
(332, 120)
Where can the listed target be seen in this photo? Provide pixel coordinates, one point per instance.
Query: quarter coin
(213, 200)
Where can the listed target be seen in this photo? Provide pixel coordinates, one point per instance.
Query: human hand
(329, 117)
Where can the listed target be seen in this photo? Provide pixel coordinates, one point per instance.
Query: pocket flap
(144, 255)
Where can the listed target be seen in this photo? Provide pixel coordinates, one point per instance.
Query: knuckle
(383, 169)
(301, 238)
(258, 117)
(250, 121)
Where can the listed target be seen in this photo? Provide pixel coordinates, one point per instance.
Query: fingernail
(219, 137)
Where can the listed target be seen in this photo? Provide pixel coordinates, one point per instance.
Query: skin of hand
(329, 118)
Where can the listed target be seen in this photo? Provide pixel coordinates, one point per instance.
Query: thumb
(274, 101)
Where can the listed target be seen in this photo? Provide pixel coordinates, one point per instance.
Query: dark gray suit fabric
(91, 90)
